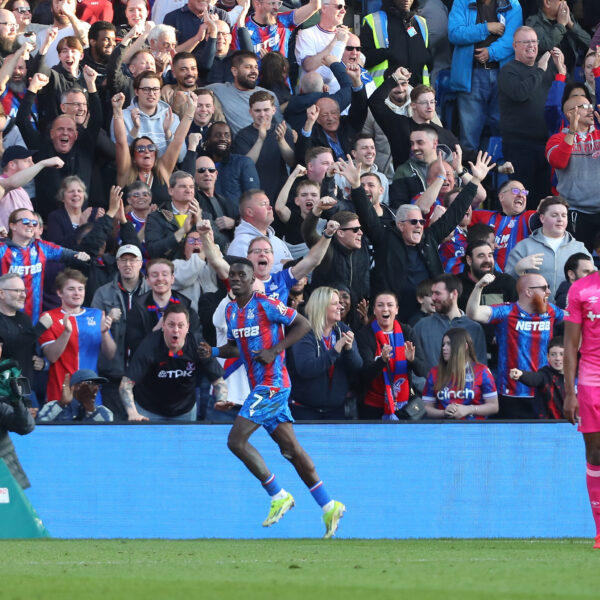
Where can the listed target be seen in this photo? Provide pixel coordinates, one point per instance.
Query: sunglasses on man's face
(27, 221)
(414, 221)
(204, 169)
(353, 229)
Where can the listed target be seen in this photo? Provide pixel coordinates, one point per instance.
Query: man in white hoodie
(256, 217)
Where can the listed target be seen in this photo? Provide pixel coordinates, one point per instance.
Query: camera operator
(14, 416)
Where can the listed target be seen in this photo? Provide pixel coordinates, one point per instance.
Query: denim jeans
(479, 107)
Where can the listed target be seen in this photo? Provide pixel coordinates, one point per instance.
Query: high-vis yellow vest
(378, 22)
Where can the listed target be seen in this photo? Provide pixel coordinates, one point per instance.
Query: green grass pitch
(299, 569)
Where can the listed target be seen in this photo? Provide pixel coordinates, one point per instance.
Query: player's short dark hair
(478, 232)
(424, 288)
(240, 260)
(556, 342)
(573, 262)
(176, 309)
(64, 276)
(237, 58)
(99, 26)
(182, 56)
(452, 282)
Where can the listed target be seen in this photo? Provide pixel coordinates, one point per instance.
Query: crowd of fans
(422, 187)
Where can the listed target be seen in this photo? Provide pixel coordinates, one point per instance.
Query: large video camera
(13, 386)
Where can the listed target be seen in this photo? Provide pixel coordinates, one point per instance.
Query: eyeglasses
(584, 106)
(76, 104)
(351, 48)
(427, 102)
(414, 221)
(128, 261)
(27, 221)
(338, 6)
(22, 292)
(22, 9)
(150, 90)
(9, 25)
(146, 148)
(545, 288)
(353, 229)
(260, 251)
(139, 194)
(527, 42)
(194, 241)
(517, 191)
(205, 169)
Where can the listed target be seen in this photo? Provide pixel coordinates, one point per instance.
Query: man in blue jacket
(482, 33)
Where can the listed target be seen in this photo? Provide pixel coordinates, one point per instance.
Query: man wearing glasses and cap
(77, 401)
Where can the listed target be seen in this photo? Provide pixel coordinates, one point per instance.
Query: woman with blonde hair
(459, 387)
(323, 362)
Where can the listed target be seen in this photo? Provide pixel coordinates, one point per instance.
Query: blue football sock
(319, 493)
(271, 486)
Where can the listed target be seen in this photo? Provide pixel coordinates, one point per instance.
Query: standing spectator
(556, 27)
(371, 183)
(459, 387)
(396, 36)
(329, 36)
(118, 298)
(547, 249)
(387, 352)
(77, 335)
(269, 145)
(235, 96)
(270, 29)
(21, 9)
(578, 265)
(65, 23)
(160, 383)
(425, 301)
(573, 155)
(482, 34)
(8, 33)
(185, 71)
(523, 330)
(522, 90)
(27, 256)
(102, 38)
(324, 362)
(256, 218)
(237, 173)
(429, 332)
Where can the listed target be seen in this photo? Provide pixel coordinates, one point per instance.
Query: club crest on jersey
(511, 224)
(250, 313)
(91, 321)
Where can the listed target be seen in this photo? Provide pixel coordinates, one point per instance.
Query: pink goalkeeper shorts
(589, 408)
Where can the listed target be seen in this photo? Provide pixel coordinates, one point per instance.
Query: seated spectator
(214, 61)
(513, 224)
(167, 227)
(77, 334)
(354, 314)
(160, 382)
(578, 265)
(571, 154)
(63, 223)
(77, 401)
(141, 160)
(549, 382)
(269, 145)
(387, 352)
(523, 330)
(135, 14)
(193, 275)
(459, 387)
(24, 254)
(148, 116)
(425, 301)
(256, 218)
(17, 170)
(147, 313)
(547, 249)
(324, 362)
(237, 173)
(429, 332)
(139, 201)
(117, 298)
(234, 96)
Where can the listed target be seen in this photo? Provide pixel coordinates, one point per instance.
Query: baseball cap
(129, 249)
(86, 375)
(15, 153)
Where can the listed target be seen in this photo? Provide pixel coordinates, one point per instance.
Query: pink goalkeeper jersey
(583, 307)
